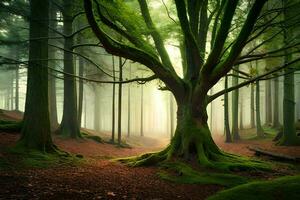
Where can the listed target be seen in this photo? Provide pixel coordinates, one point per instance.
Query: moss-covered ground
(17, 158)
(284, 188)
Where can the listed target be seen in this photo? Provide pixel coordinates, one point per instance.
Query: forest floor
(98, 177)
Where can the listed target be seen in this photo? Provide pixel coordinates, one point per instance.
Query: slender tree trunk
(259, 130)
(276, 123)
(252, 107)
(52, 73)
(17, 82)
(171, 116)
(120, 102)
(142, 110)
(69, 126)
(268, 103)
(241, 113)
(211, 111)
(80, 91)
(129, 108)
(12, 91)
(226, 117)
(97, 110)
(235, 108)
(113, 103)
(35, 132)
(85, 111)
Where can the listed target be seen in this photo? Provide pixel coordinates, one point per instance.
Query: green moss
(10, 126)
(185, 174)
(94, 137)
(284, 188)
(20, 158)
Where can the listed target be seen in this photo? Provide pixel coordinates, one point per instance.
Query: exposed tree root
(223, 161)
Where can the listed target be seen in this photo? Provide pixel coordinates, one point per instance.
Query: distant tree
(226, 117)
(235, 107)
(289, 136)
(69, 125)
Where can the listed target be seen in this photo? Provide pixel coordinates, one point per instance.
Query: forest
(150, 99)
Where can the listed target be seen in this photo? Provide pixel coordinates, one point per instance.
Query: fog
(155, 120)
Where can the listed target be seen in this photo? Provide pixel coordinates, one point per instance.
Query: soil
(101, 178)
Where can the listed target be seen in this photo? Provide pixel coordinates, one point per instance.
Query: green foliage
(284, 188)
(185, 174)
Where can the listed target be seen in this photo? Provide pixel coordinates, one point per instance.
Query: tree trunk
(241, 113)
(276, 123)
(52, 80)
(17, 82)
(289, 136)
(97, 110)
(268, 103)
(192, 139)
(171, 116)
(35, 132)
(259, 130)
(120, 102)
(69, 126)
(252, 107)
(142, 111)
(80, 82)
(80, 91)
(235, 108)
(128, 102)
(226, 117)
(113, 103)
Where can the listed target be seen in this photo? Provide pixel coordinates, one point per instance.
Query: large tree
(36, 124)
(143, 42)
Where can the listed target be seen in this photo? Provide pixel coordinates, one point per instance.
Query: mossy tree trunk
(192, 139)
(35, 132)
(69, 126)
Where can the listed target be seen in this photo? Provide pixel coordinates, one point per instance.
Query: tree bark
(35, 132)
